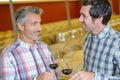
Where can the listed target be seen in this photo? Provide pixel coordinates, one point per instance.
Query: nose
(40, 27)
(81, 19)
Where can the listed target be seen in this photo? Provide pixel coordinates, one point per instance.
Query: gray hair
(21, 13)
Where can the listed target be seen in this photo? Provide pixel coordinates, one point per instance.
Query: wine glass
(67, 67)
(56, 60)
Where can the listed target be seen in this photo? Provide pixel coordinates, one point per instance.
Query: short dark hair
(99, 8)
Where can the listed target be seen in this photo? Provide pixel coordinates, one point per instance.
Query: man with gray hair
(27, 58)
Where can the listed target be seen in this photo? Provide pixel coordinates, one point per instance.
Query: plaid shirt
(21, 61)
(102, 54)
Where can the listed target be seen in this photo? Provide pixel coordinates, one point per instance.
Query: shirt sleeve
(7, 69)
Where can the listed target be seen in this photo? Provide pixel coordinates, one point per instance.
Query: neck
(26, 40)
(98, 29)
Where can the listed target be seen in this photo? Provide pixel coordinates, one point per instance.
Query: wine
(53, 65)
(67, 71)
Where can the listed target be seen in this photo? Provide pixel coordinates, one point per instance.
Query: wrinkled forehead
(33, 17)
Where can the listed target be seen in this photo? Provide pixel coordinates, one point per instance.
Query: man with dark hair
(27, 58)
(101, 45)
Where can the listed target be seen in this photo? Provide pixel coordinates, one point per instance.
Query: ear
(99, 20)
(21, 27)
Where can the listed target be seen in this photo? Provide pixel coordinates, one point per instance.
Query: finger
(52, 77)
(53, 74)
(75, 77)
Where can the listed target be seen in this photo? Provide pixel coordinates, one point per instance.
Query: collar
(103, 33)
(26, 45)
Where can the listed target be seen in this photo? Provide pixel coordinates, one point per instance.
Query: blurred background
(60, 27)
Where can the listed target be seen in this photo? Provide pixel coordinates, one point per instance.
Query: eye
(35, 23)
(83, 15)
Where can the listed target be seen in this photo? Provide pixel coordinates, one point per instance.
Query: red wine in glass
(56, 61)
(67, 67)
(53, 65)
(67, 71)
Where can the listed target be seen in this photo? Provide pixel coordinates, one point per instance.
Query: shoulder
(115, 37)
(114, 34)
(10, 48)
(42, 44)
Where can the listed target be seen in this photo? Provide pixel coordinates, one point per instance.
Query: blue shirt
(102, 54)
